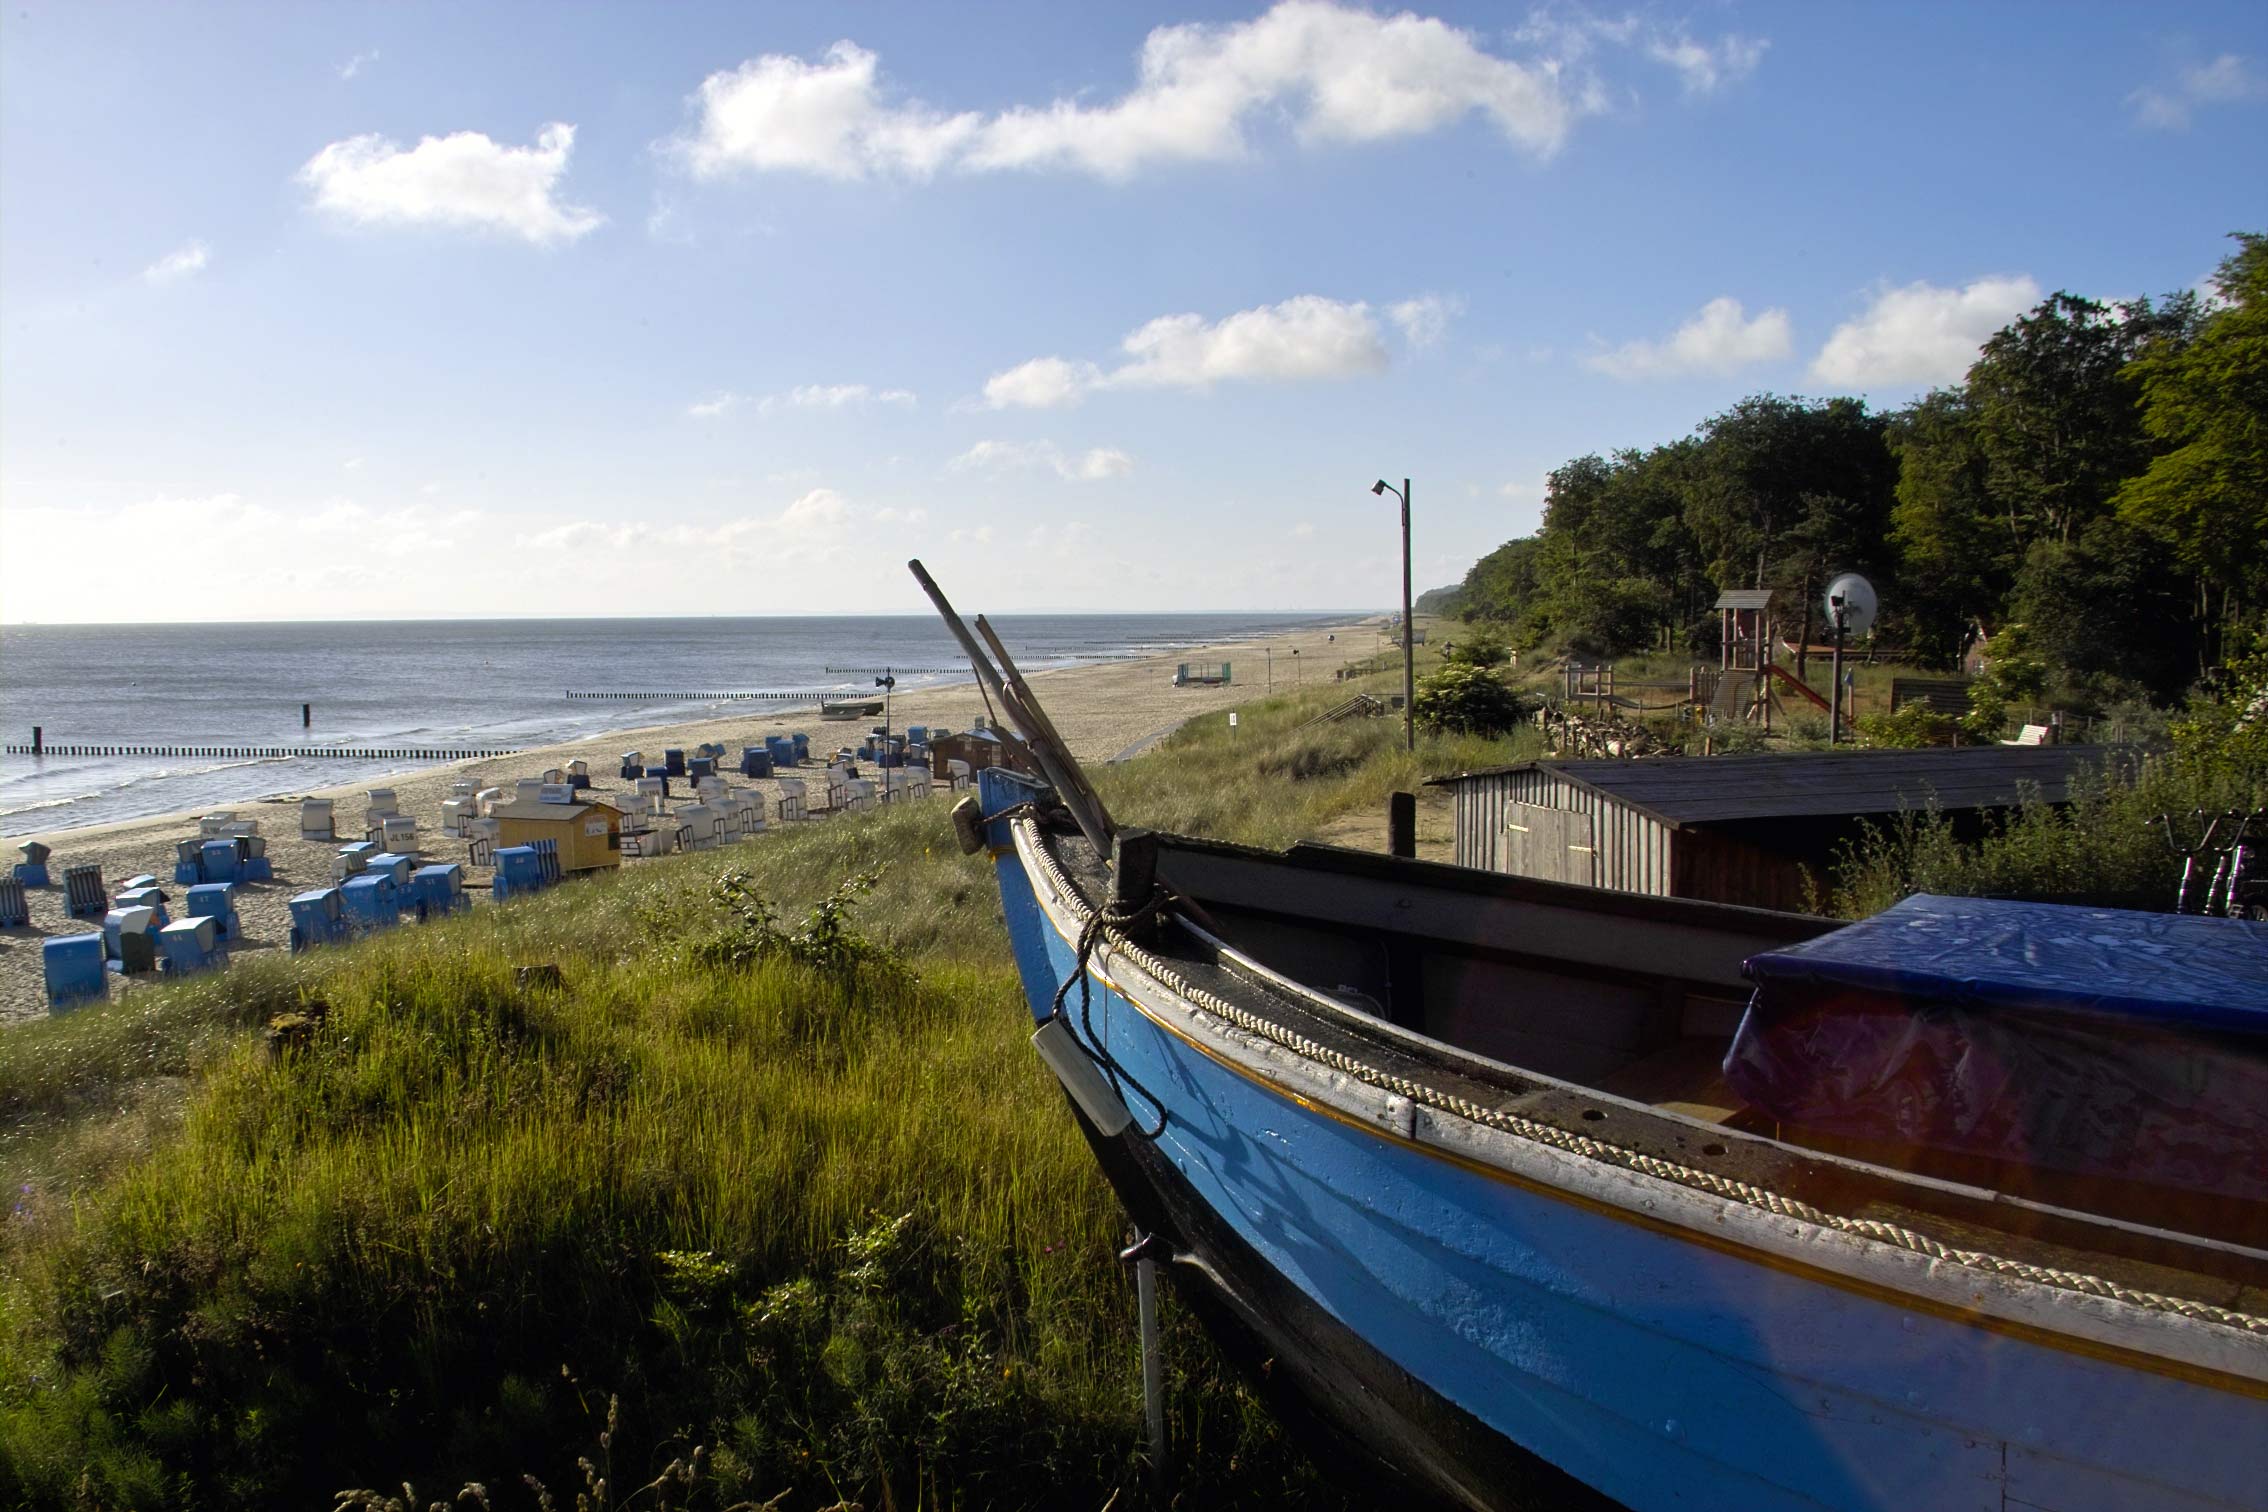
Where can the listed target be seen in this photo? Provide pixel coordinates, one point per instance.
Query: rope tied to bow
(1113, 919)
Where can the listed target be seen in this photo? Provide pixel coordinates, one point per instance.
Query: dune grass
(825, 1220)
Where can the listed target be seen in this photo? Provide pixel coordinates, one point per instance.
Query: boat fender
(1064, 1055)
(968, 825)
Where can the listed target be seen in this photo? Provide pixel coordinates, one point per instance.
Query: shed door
(1549, 844)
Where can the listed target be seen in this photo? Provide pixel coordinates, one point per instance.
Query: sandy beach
(1101, 710)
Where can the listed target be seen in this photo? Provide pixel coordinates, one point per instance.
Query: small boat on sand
(1528, 1194)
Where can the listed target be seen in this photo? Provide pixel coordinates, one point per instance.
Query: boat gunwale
(2160, 1335)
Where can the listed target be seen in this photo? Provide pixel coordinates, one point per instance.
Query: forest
(2097, 487)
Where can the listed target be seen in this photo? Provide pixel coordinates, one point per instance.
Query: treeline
(2100, 479)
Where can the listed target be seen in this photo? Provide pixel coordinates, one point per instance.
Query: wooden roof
(1745, 598)
(1682, 790)
(532, 809)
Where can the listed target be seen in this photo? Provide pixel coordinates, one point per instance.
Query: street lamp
(1409, 655)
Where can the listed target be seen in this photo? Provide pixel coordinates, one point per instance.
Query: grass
(829, 1222)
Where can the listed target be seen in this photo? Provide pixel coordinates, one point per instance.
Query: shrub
(1910, 728)
(1479, 648)
(1466, 700)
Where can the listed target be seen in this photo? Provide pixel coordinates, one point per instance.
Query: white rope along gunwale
(1586, 1147)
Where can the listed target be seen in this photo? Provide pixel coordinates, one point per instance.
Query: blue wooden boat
(1451, 1161)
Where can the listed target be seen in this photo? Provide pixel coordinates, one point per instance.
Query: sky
(439, 311)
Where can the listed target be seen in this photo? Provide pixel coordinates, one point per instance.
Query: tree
(1501, 586)
(1955, 565)
(2055, 415)
(2206, 401)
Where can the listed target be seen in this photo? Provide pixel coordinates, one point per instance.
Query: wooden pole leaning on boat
(1055, 760)
(1035, 714)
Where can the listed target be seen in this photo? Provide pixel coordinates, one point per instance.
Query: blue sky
(404, 310)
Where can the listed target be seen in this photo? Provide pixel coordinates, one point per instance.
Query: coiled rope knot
(1113, 919)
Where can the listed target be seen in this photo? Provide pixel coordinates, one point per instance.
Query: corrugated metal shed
(1756, 830)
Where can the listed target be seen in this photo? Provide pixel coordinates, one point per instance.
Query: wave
(136, 779)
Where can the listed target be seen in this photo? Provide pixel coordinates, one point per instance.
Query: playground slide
(1797, 683)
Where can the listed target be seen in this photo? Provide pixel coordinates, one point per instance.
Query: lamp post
(1409, 655)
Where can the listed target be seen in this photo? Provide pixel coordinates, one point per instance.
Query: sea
(461, 683)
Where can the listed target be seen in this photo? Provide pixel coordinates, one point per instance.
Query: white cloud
(1921, 334)
(184, 261)
(1719, 339)
(1425, 319)
(835, 396)
(1304, 338)
(713, 406)
(828, 118)
(1337, 73)
(1042, 383)
(1707, 67)
(2229, 79)
(354, 65)
(464, 180)
(1092, 466)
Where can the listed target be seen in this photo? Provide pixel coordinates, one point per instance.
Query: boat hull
(1461, 1323)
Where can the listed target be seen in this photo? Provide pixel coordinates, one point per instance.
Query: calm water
(447, 683)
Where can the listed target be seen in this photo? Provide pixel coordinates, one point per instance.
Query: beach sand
(1101, 711)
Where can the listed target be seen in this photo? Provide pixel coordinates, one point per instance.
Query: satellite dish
(1854, 597)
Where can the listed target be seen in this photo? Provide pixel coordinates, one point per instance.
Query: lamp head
(1378, 487)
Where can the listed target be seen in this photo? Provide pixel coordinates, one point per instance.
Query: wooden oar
(1054, 758)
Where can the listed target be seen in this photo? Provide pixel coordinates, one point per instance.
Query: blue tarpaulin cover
(2091, 1041)
(1986, 951)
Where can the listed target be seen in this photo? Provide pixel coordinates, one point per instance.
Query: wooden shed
(1757, 830)
(589, 833)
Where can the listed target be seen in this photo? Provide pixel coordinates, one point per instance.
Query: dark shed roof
(1683, 790)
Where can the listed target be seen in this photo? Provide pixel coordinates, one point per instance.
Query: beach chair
(215, 901)
(700, 767)
(547, 856)
(2031, 735)
(316, 821)
(83, 894)
(673, 762)
(73, 965)
(528, 790)
(439, 889)
(217, 861)
(802, 744)
(32, 870)
(379, 802)
(188, 862)
(755, 761)
(15, 906)
(371, 901)
(958, 774)
(319, 917)
(518, 872)
(578, 775)
(454, 813)
(398, 834)
(150, 898)
(190, 945)
(633, 765)
(128, 940)
(793, 803)
(216, 826)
